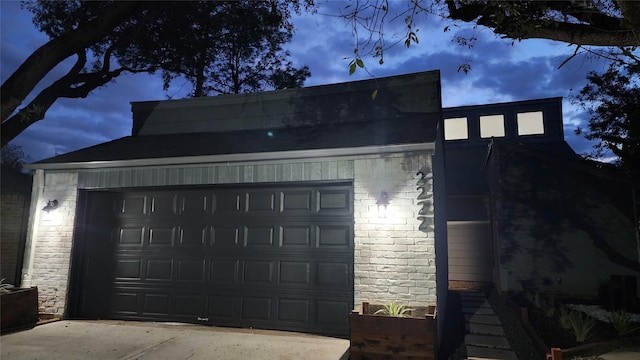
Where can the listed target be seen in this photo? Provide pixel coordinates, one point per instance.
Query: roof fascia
(238, 158)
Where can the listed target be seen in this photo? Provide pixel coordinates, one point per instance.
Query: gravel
(599, 313)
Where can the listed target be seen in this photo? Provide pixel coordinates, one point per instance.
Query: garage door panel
(271, 257)
(258, 272)
(162, 236)
(295, 236)
(159, 269)
(294, 272)
(333, 313)
(188, 305)
(333, 274)
(260, 202)
(333, 236)
(296, 310)
(256, 308)
(133, 206)
(225, 236)
(294, 202)
(258, 236)
(192, 236)
(334, 201)
(225, 271)
(155, 303)
(191, 270)
(222, 307)
(129, 269)
(164, 204)
(228, 202)
(130, 236)
(125, 302)
(195, 205)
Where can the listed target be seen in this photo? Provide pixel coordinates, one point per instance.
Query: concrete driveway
(78, 339)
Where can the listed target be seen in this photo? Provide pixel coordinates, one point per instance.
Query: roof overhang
(276, 156)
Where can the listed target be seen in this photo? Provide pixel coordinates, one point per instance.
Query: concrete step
(482, 319)
(480, 353)
(481, 329)
(477, 304)
(471, 295)
(487, 341)
(477, 311)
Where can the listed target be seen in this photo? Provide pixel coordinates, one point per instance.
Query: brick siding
(394, 260)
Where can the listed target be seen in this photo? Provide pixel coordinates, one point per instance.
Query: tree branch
(72, 85)
(597, 29)
(18, 86)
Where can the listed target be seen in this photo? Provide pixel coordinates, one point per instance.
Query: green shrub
(545, 304)
(621, 321)
(548, 306)
(534, 298)
(394, 309)
(581, 324)
(4, 287)
(564, 317)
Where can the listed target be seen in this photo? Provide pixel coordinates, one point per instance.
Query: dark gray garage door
(266, 257)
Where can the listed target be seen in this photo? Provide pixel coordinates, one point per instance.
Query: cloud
(501, 71)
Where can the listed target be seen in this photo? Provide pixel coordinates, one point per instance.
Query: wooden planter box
(18, 309)
(386, 337)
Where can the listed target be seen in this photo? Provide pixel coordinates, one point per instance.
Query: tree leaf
(374, 94)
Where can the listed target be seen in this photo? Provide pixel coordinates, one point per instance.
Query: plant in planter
(393, 331)
(394, 309)
(4, 287)
(18, 307)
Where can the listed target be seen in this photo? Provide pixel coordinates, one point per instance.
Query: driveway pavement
(122, 340)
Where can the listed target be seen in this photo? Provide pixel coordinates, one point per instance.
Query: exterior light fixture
(51, 205)
(382, 202)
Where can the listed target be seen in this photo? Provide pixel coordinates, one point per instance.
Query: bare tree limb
(18, 86)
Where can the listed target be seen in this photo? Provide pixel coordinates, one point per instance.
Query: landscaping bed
(591, 331)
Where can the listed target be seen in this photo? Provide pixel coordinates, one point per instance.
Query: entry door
(470, 251)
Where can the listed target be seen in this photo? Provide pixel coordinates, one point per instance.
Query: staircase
(485, 338)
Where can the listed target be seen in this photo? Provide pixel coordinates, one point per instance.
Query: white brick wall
(394, 260)
(50, 240)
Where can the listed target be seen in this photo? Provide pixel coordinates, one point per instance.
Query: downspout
(32, 230)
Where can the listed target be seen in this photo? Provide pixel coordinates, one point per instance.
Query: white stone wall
(394, 260)
(48, 254)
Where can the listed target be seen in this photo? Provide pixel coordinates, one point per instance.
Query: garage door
(470, 252)
(265, 257)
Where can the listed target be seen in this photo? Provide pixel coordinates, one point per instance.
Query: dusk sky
(500, 72)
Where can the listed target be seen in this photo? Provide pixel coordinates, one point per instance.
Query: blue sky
(500, 72)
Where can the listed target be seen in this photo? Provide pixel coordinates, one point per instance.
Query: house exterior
(468, 133)
(563, 226)
(279, 210)
(524, 212)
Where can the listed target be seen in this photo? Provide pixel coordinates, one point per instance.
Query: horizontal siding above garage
(217, 174)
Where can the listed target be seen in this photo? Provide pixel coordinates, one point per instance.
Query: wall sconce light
(51, 205)
(382, 202)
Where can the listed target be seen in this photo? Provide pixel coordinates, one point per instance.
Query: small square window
(456, 129)
(530, 123)
(492, 125)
